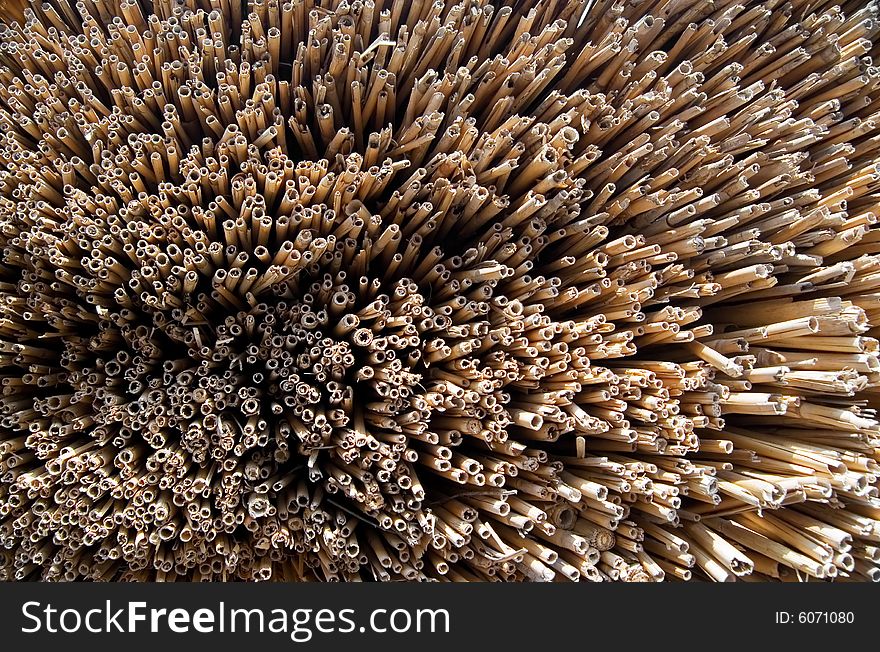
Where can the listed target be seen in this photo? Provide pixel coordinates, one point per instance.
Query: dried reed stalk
(348, 290)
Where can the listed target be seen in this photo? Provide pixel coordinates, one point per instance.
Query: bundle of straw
(464, 290)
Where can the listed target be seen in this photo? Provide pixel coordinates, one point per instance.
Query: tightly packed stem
(462, 290)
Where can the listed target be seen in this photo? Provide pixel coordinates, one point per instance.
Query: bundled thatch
(358, 289)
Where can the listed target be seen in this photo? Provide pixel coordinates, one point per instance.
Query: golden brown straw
(345, 290)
